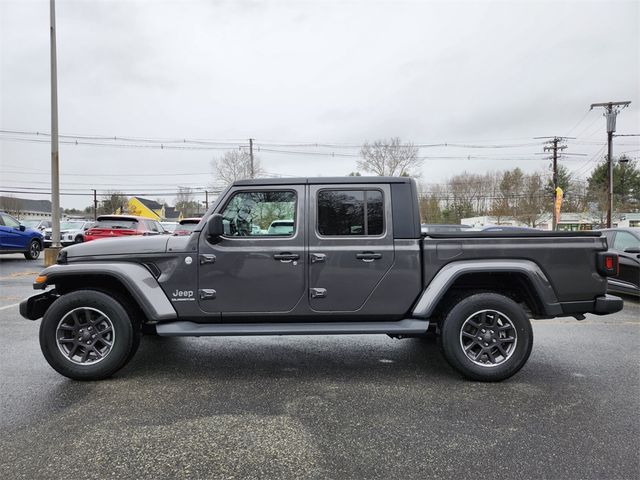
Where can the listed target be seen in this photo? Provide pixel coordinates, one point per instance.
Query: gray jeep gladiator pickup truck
(319, 256)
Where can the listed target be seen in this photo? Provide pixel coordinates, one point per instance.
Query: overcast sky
(492, 73)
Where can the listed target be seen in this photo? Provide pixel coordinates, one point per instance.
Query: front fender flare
(138, 281)
(445, 278)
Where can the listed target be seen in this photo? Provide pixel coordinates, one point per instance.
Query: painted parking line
(6, 307)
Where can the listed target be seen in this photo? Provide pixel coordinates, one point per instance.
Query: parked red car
(186, 226)
(111, 226)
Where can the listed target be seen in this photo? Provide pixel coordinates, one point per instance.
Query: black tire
(496, 349)
(33, 252)
(79, 239)
(74, 308)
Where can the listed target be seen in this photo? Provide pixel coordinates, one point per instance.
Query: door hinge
(318, 292)
(207, 258)
(207, 293)
(318, 257)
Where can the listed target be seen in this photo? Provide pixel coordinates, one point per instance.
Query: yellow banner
(558, 203)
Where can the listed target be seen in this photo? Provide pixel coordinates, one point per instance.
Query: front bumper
(34, 307)
(607, 304)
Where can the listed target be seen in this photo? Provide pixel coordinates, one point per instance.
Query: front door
(258, 265)
(350, 244)
(11, 237)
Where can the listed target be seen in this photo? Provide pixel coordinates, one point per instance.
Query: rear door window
(350, 213)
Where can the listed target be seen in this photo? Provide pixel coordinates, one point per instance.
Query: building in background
(26, 208)
(143, 207)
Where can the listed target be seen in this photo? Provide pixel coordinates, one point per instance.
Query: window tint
(254, 214)
(115, 223)
(350, 212)
(625, 240)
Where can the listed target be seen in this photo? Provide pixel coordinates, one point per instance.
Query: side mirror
(632, 250)
(22, 228)
(215, 227)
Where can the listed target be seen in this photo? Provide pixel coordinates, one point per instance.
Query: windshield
(30, 223)
(123, 223)
(71, 225)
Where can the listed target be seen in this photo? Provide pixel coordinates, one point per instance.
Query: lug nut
(483, 330)
(88, 343)
(479, 338)
(486, 344)
(494, 340)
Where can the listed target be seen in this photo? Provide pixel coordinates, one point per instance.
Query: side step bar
(408, 326)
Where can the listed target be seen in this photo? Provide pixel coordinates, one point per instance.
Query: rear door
(255, 267)
(350, 244)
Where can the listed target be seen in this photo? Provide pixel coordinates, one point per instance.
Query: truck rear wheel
(87, 335)
(487, 337)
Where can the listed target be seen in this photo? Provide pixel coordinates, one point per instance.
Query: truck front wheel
(486, 337)
(87, 335)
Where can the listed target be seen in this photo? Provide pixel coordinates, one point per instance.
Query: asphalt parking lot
(321, 407)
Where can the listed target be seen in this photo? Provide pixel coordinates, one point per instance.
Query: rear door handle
(368, 256)
(286, 257)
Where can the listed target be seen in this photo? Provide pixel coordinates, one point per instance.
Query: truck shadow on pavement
(309, 358)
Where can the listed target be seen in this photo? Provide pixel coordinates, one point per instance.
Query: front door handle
(286, 257)
(368, 256)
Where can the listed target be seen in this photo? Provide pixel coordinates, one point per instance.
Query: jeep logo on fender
(182, 296)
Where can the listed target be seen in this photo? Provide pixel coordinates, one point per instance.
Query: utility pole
(206, 199)
(552, 145)
(251, 155)
(95, 205)
(611, 110)
(55, 178)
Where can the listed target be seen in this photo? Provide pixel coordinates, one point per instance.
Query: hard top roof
(321, 180)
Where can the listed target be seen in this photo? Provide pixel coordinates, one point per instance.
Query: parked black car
(626, 243)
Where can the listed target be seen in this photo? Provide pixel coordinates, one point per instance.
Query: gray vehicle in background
(319, 256)
(626, 243)
(71, 231)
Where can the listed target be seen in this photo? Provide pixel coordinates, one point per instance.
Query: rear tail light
(608, 264)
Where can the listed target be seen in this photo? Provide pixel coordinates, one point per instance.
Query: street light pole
(55, 182)
(611, 112)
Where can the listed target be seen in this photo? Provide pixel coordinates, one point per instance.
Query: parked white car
(70, 232)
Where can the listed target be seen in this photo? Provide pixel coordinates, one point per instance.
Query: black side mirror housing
(22, 228)
(215, 227)
(632, 250)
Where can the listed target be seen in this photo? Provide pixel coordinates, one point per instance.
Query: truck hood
(120, 246)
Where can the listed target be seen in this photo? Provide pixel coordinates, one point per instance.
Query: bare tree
(11, 205)
(390, 158)
(534, 199)
(186, 202)
(236, 165)
(113, 202)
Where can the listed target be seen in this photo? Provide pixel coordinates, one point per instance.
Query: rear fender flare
(445, 278)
